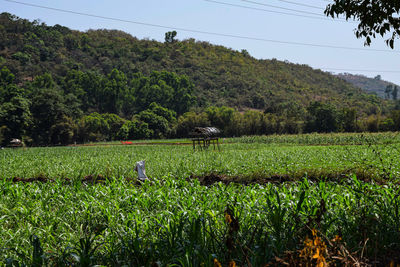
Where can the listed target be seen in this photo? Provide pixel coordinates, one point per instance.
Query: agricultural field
(305, 199)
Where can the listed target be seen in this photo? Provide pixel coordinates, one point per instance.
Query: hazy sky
(254, 22)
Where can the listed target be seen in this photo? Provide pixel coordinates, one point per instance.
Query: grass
(171, 219)
(177, 221)
(324, 139)
(254, 159)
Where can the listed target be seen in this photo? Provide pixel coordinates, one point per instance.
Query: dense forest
(59, 86)
(376, 85)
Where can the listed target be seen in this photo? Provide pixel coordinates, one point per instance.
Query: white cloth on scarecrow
(140, 168)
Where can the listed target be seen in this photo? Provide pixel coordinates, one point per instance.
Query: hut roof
(206, 131)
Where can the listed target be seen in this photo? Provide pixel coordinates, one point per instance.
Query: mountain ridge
(371, 85)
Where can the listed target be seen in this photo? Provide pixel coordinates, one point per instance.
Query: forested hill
(374, 85)
(59, 86)
(220, 76)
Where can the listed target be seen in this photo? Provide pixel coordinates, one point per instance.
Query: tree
(113, 92)
(220, 117)
(15, 116)
(43, 81)
(133, 130)
(87, 87)
(169, 37)
(6, 77)
(48, 108)
(115, 123)
(188, 121)
(395, 116)
(158, 124)
(93, 127)
(322, 118)
(164, 88)
(349, 119)
(388, 91)
(158, 119)
(2, 130)
(63, 131)
(375, 17)
(168, 114)
(253, 123)
(100, 127)
(394, 92)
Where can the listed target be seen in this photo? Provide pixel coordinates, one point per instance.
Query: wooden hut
(204, 136)
(16, 142)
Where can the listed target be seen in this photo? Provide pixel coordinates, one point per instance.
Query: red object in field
(126, 142)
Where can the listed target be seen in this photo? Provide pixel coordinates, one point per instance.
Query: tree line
(89, 107)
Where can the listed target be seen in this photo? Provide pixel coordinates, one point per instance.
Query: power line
(204, 32)
(300, 4)
(320, 17)
(284, 8)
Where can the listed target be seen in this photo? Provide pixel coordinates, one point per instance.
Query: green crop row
(175, 222)
(234, 160)
(324, 139)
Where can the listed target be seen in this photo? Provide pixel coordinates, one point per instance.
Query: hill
(221, 76)
(371, 85)
(59, 86)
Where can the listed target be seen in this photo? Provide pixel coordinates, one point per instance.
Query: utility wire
(300, 4)
(205, 32)
(271, 11)
(319, 16)
(284, 8)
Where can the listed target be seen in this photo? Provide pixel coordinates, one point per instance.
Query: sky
(261, 22)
